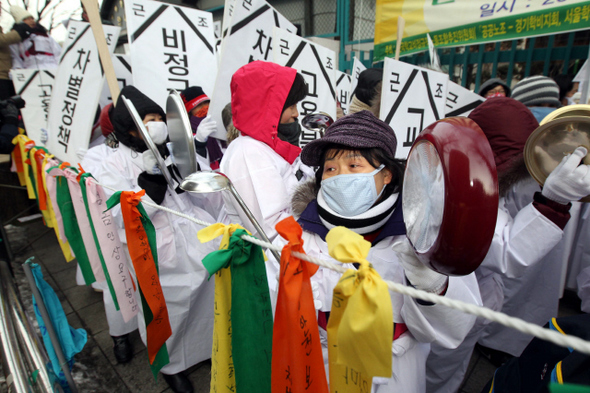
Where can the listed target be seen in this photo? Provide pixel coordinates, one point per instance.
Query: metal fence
(512, 60)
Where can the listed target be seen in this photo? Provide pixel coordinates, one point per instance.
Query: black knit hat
(193, 96)
(122, 120)
(537, 90)
(491, 84)
(361, 130)
(365, 89)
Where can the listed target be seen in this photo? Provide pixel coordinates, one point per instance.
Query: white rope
(515, 323)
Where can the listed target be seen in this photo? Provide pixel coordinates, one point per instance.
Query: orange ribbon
(297, 361)
(38, 156)
(159, 330)
(81, 171)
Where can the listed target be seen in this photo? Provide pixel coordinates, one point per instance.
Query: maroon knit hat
(507, 124)
(361, 130)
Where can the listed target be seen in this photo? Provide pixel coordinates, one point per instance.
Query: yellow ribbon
(360, 328)
(222, 367)
(21, 140)
(17, 157)
(33, 161)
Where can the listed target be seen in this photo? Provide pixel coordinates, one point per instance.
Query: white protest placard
(412, 98)
(35, 87)
(248, 38)
(343, 94)
(357, 68)
(172, 47)
(122, 66)
(228, 9)
(316, 64)
(460, 101)
(76, 91)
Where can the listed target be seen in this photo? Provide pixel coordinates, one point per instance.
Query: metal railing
(24, 360)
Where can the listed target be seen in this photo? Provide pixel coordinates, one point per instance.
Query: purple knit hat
(360, 130)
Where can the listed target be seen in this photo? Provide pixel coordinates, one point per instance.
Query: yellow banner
(467, 22)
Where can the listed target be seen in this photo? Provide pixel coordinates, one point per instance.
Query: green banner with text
(447, 22)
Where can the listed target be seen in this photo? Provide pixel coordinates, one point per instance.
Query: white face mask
(157, 131)
(570, 101)
(351, 194)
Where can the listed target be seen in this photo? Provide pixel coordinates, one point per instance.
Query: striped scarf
(363, 223)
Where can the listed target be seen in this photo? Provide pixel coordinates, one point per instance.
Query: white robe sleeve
(520, 242)
(439, 324)
(17, 62)
(55, 49)
(262, 187)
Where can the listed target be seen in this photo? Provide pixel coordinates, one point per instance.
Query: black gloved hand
(23, 30)
(9, 112)
(154, 185)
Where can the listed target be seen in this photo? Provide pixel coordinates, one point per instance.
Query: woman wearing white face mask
(358, 185)
(188, 294)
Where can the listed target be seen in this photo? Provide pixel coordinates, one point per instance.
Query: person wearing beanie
(19, 32)
(539, 93)
(494, 88)
(39, 50)
(209, 150)
(520, 273)
(263, 161)
(567, 88)
(183, 278)
(367, 94)
(358, 185)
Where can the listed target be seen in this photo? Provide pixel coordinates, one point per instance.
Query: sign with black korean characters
(247, 37)
(460, 101)
(317, 65)
(412, 98)
(35, 87)
(172, 47)
(343, 94)
(357, 68)
(76, 91)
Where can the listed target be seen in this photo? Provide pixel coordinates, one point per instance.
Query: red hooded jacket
(258, 93)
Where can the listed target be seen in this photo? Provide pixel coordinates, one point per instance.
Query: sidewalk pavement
(96, 369)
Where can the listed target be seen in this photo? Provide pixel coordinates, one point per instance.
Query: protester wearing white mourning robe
(519, 242)
(118, 329)
(263, 161)
(358, 185)
(39, 50)
(188, 294)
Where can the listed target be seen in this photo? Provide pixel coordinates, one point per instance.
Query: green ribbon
(251, 312)
(71, 228)
(32, 174)
(82, 182)
(568, 388)
(162, 357)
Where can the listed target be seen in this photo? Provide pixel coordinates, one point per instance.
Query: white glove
(80, 153)
(417, 274)
(205, 128)
(569, 181)
(44, 136)
(150, 164)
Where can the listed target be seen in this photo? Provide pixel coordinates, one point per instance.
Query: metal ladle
(207, 182)
(317, 122)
